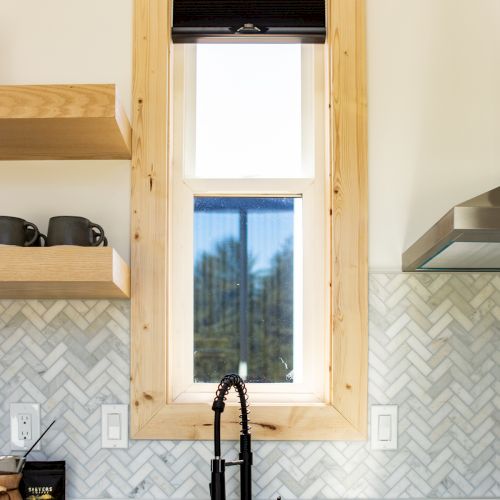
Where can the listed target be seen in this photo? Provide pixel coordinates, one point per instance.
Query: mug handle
(100, 237)
(105, 240)
(44, 238)
(35, 236)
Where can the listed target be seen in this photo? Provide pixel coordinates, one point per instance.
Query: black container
(18, 232)
(43, 481)
(70, 230)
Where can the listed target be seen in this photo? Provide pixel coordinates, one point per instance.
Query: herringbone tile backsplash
(434, 351)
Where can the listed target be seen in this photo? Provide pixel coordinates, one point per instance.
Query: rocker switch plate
(384, 427)
(114, 426)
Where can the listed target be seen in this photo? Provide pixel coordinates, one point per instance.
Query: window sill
(271, 422)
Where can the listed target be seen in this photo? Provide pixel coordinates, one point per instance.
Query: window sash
(183, 188)
(312, 75)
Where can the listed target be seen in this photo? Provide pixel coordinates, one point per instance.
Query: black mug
(79, 231)
(16, 231)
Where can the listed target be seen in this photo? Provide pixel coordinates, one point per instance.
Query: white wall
(434, 114)
(433, 94)
(68, 41)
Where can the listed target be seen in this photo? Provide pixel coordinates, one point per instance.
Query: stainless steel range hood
(467, 238)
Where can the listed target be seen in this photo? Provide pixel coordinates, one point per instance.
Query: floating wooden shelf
(63, 272)
(62, 122)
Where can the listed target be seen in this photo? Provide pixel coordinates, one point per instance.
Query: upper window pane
(248, 111)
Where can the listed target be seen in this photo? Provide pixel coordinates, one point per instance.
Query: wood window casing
(153, 416)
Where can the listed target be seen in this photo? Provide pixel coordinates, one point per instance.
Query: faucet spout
(217, 485)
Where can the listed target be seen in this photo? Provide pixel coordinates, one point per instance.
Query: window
(247, 288)
(249, 226)
(249, 110)
(343, 415)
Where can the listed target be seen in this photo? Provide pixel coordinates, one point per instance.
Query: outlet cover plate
(16, 410)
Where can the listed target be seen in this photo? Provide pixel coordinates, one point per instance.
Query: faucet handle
(234, 462)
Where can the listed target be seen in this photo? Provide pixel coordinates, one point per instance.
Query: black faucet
(218, 484)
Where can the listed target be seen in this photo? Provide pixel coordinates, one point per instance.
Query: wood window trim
(152, 416)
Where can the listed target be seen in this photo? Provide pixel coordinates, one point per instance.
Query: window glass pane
(248, 111)
(247, 292)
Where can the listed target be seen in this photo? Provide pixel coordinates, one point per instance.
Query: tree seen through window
(244, 288)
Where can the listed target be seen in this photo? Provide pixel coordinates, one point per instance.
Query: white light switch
(114, 428)
(384, 427)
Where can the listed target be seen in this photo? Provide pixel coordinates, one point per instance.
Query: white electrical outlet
(24, 426)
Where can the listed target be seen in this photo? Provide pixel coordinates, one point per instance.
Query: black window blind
(196, 19)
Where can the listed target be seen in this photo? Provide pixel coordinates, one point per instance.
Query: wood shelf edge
(63, 272)
(55, 122)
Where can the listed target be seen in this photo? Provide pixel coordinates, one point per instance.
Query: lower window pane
(247, 293)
